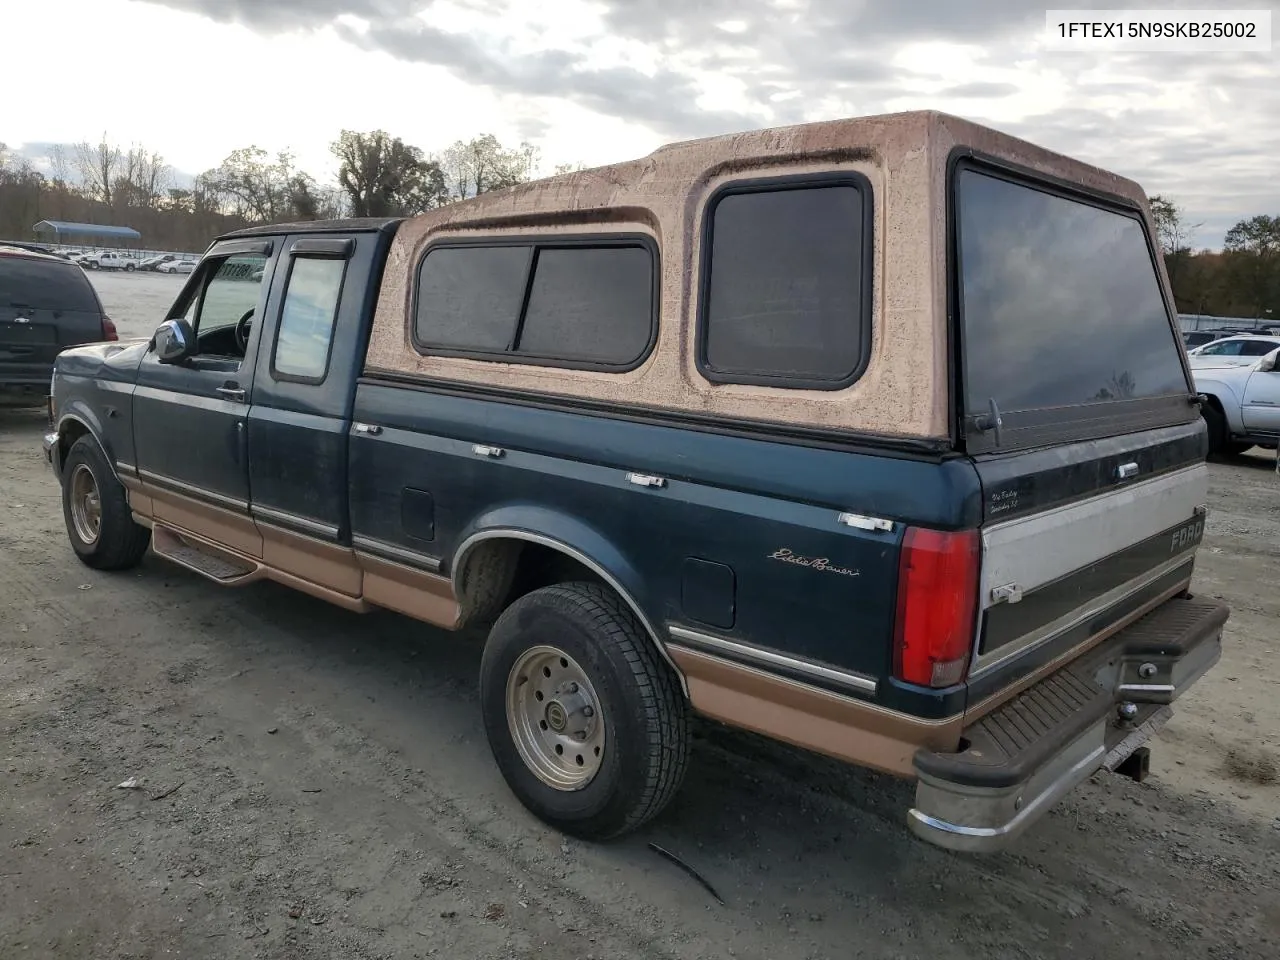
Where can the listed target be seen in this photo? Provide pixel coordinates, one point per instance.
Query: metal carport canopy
(61, 228)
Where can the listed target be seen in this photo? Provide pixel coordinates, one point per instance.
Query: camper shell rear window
(1065, 331)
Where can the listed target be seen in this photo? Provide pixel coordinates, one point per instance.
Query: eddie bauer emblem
(813, 563)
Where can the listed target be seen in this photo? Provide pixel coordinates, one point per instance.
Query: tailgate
(1078, 542)
(28, 346)
(30, 339)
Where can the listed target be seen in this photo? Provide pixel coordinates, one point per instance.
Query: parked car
(34, 248)
(153, 263)
(726, 468)
(109, 261)
(1239, 379)
(46, 305)
(1242, 347)
(177, 266)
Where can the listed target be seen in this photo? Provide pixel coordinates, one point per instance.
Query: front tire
(585, 719)
(99, 520)
(1216, 423)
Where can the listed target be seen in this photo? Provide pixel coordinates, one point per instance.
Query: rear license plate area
(27, 334)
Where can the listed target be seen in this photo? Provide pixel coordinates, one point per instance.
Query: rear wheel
(129, 268)
(99, 521)
(586, 721)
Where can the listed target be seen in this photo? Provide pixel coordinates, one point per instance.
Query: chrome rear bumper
(1092, 714)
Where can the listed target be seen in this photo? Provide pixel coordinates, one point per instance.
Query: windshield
(45, 285)
(1060, 302)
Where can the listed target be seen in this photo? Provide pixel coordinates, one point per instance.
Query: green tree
(1252, 248)
(382, 176)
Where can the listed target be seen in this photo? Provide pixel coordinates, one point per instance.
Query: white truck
(1240, 377)
(109, 261)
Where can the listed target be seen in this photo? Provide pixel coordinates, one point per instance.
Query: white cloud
(602, 80)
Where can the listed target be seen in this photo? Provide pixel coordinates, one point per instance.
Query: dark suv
(46, 304)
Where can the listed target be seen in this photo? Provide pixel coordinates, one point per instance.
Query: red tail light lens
(937, 600)
(109, 330)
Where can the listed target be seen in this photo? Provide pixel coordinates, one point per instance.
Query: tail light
(937, 600)
(109, 330)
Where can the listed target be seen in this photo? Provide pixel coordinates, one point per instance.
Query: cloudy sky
(602, 80)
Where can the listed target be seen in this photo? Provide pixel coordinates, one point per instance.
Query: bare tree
(1173, 232)
(146, 174)
(99, 167)
(483, 164)
(59, 165)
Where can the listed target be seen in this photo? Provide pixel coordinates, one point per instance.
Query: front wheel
(586, 721)
(1216, 423)
(99, 521)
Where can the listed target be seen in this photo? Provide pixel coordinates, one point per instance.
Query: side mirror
(1269, 363)
(173, 341)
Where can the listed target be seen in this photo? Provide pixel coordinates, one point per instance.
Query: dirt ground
(316, 784)
(137, 302)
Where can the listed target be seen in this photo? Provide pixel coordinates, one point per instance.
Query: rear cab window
(1065, 332)
(307, 319)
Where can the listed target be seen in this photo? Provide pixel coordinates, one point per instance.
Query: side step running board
(202, 557)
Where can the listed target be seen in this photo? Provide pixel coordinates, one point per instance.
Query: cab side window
(307, 319)
(1257, 348)
(230, 293)
(1228, 348)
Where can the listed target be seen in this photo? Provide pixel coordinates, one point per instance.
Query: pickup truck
(801, 430)
(108, 261)
(1240, 380)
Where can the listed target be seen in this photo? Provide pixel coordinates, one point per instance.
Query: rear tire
(573, 658)
(129, 268)
(99, 520)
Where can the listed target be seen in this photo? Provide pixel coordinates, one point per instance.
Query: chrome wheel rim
(86, 504)
(555, 719)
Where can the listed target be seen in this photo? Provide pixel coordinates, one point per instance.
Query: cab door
(190, 417)
(312, 346)
(1260, 407)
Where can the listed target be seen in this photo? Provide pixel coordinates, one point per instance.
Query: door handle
(645, 480)
(231, 392)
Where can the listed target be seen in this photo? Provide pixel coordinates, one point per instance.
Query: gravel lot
(316, 784)
(137, 302)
